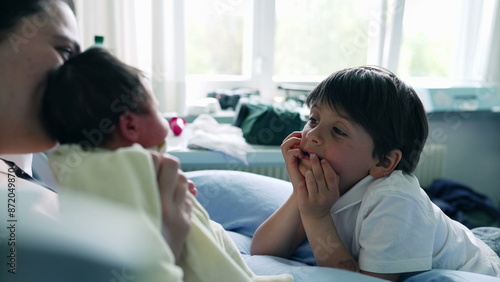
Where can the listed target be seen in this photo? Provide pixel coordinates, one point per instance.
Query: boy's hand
(321, 189)
(292, 155)
(176, 200)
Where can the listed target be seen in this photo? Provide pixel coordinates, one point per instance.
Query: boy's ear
(387, 164)
(127, 127)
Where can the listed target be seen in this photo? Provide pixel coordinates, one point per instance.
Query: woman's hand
(176, 199)
(292, 155)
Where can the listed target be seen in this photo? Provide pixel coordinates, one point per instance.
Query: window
(429, 38)
(313, 38)
(215, 40)
(195, 46)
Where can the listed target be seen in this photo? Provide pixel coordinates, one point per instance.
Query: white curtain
(141, 33)
(492, 70)
(168, 68)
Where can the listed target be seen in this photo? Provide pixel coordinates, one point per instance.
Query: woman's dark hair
(86, 97)
(386, 107)
(12, 11)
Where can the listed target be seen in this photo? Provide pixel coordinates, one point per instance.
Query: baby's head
(387, 108)
(95, 100)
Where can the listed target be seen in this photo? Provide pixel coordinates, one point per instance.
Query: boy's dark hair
(11, 12)
(386, 107)
(86, 96)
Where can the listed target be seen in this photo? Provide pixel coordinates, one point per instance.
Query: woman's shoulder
(23, 196)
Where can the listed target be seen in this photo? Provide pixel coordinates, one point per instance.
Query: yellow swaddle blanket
(126, 176)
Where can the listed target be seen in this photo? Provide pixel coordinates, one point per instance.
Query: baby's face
(154, 127)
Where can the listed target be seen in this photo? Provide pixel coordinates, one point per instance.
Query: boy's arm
(329, 250)
(315, 199)
(281, 233)
(326, 244)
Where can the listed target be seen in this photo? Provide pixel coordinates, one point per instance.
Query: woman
(41, 35)
(35, 37)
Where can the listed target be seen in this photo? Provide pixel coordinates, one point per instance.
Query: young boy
(102, 114)
(354, 195)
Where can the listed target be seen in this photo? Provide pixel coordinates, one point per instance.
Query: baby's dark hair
(86, 97)
(386, 107)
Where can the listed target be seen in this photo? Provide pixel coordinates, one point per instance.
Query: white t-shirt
(391, 226)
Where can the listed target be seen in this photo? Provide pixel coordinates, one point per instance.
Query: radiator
(430, 166)
(273, 171)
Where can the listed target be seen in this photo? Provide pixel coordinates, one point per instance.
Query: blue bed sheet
(241, 201)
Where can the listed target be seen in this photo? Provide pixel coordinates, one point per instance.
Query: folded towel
(207, 133)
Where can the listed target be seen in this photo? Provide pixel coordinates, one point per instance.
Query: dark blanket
(463, 204)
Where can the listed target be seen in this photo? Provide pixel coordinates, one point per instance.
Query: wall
(473, 149)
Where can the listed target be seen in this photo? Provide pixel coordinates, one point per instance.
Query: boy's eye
(313, 120)
(339, 132)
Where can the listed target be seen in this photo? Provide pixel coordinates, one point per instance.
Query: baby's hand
(292, 155)
(156, 163)
(321, 189)
(192, 188)
(176, 200)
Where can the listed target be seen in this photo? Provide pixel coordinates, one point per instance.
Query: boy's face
(347, 147)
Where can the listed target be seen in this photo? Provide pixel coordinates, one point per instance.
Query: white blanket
(207, 133)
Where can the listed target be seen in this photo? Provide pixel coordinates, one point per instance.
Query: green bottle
(98, 40)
